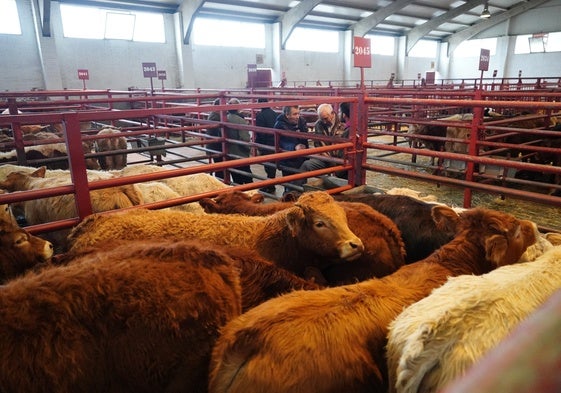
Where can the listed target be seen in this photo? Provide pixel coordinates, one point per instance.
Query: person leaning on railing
(328, 124)
(291, 120)
(266, 117)
(235, 117)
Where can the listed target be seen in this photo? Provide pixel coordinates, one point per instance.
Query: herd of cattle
(452, 135)
(343, 293)
(45, 143)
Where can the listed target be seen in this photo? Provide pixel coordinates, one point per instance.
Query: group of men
(327, 124)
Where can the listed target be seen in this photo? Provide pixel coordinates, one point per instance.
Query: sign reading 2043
(149, 70)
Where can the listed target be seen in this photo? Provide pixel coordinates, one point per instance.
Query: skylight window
(314, 40)
(218, 32)
(472, 48)
(99, 23)
(9, 17)
(382, 45)
(424, 48)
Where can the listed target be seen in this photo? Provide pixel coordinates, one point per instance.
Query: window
(98, 23)
(522, 45)
(9, 17)
(537, 43)
(119, 26)
(553, 42)
(149, 27)
(218, 32)
(472, 48)
(424, 48)
(382, 45)
(314, 40)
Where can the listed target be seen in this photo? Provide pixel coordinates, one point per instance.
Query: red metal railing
(375, 114)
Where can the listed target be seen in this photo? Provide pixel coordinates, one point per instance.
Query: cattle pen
(504, 157)
(508, 161)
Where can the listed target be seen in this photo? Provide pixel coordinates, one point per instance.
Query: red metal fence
(378, 139)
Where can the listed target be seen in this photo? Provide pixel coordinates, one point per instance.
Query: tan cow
(20, 251)
(310, 233)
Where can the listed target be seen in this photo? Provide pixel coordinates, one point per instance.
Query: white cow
(438, 338)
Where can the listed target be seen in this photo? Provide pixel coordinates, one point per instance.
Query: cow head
(503, 237)
(319, 222)
(20, 251)
(227, 201)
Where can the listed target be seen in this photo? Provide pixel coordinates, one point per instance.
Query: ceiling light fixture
(485, 14)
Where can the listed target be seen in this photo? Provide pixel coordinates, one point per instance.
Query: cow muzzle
(351, 249)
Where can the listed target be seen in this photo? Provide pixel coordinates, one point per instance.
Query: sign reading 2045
(361, 52)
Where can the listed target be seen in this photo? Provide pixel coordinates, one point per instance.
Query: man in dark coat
(215, 131)
(291, 120)
(266, 117)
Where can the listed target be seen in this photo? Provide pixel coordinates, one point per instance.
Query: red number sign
(484, 58)
(430, 77)
(83, 75)
(362, 53)
(149, 70)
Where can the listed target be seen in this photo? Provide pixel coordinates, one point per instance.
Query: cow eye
(496, 228)
(22, 238)
(319, 224)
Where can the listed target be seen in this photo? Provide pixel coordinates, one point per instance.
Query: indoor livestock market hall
(182, 180)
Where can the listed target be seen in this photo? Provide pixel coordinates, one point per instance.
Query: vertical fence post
(473, 146)
(77, 164)
(359, 134)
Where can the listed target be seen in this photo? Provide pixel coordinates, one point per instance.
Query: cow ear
(294, 219)
(257, 198)
(495, 249)
(39, 172)
(445, 218)
(208, 205)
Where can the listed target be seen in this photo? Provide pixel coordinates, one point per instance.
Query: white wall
(20, 67)
(506, 62)
(31, 61)
(113, 63)
(219, 67)
(311, 66)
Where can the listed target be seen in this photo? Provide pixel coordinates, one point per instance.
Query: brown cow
(20, 251)
(139, 318)
(260, 279)
(333, 340)
(109, 144)
(412, 216)
(384, 251)
(312, 231)
(134, 317)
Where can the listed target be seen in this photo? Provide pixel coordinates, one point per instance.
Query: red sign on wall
(430, 77)
(83, 75)
(162, 75)
(149, 70)
(484, 58)
(361, 52)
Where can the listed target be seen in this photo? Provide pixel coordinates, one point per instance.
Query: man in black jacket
(290, 120)
(266, 118)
